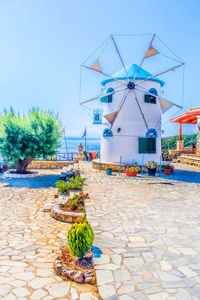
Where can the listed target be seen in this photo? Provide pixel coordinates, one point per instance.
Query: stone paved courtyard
(29, 242)
(149, 232)
(147, 228)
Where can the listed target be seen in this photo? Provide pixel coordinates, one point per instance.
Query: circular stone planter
(82, 276)
(15, 175)
(67, 216)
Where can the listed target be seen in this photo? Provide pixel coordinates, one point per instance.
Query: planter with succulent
(152, 167)
(72, 210)
(75, 261)
(132, 171)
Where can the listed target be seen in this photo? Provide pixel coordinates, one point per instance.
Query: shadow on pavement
(183, 175)
(42, 181)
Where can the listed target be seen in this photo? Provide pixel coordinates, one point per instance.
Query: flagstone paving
(149, 232)
(29, 242)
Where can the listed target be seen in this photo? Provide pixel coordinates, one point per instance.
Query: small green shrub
(76, 182)
(166, 167)
(134, 168)
(80, 238)
(63, 187)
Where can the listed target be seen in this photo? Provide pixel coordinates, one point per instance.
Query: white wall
(132, 126)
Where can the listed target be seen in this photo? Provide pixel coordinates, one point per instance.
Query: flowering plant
(76, 202)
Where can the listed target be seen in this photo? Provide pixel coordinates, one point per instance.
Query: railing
(61, 156)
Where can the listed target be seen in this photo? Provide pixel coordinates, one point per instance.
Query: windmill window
(107, 133)
(153, 91)
(151, 133)
(149, 99)
(97, 116)
(108, 98)
(147, 145)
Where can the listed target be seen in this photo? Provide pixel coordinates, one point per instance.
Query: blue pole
(100, 163)
(160, 165)
(142, 164)
(120, 164)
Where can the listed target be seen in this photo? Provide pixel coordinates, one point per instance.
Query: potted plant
(132, 171)
(151, 166)
(168, 169)
(172, 169)
(109, 171)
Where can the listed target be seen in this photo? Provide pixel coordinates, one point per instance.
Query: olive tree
(27, 137)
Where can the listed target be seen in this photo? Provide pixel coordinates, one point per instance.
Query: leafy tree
(24, 138)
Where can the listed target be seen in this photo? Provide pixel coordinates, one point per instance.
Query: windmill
(132, 104)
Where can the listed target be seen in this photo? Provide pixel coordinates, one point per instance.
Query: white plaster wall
(132, 126)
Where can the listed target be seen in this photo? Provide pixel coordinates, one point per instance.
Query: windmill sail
(111, 117)
(151, 52)
(166, 104)
(96, 66)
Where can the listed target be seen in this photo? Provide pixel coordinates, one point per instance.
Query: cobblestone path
(29, 242)
(149, 232)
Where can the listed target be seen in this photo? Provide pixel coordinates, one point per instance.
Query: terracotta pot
(167, 171)
(129, 173)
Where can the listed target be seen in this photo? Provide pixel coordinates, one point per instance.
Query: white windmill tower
(132, 110)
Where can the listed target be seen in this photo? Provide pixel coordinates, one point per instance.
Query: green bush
(76, 182)
(80, 238)
(63, 187)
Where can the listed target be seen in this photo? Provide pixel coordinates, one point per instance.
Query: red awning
(189, 117)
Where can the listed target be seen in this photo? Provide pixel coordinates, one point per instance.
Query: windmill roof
(131, 71)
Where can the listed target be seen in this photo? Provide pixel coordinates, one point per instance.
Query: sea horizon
(70, 144)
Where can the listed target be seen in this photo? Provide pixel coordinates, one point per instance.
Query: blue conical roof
(131, 71)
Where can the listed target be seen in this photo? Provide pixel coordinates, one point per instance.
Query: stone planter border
(15, 175)
(66, 216)
(86, 276)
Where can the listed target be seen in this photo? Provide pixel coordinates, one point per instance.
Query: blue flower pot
(109, 171)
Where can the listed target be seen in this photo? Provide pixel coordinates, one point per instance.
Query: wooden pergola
(189, 117)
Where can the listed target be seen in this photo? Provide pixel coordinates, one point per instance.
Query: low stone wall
(190, 160)
(15, 175)
(186, 150)
(49, 164)
(105, 165)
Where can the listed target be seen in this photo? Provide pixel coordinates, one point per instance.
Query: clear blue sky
(43, 43)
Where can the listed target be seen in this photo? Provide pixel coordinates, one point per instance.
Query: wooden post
(198, 137)
(180, 132)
